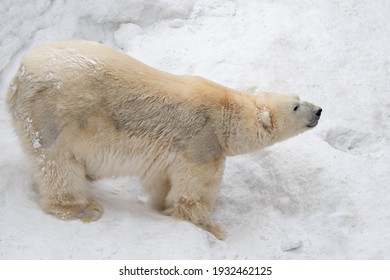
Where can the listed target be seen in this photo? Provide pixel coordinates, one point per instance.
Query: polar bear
(83, 110)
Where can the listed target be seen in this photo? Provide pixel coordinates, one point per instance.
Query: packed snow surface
(324, 194)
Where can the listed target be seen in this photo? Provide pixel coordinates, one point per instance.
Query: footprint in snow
(354, 142)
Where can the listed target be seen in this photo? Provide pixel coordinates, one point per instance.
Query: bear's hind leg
(62, 185)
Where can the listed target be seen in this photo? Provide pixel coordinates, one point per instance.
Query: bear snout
(315, 117)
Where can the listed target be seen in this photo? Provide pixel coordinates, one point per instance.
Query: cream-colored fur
(85, 110)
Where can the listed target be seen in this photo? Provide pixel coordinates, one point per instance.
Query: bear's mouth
(312, 124)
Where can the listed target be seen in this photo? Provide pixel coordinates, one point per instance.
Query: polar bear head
(286, 116)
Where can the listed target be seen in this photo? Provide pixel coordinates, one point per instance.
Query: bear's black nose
(318, 113)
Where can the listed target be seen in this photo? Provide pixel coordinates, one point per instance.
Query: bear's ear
(265, 118)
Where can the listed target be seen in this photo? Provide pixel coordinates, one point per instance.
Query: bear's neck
(242, 130)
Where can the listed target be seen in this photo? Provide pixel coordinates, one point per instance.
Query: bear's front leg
(197, 212)
(193, 193)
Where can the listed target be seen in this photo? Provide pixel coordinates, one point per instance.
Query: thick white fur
(84, 110)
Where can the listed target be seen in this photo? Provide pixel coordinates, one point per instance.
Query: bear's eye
(296, 107)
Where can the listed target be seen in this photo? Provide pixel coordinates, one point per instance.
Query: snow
(321, 195)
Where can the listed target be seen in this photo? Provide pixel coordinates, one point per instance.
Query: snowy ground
(322, 195)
